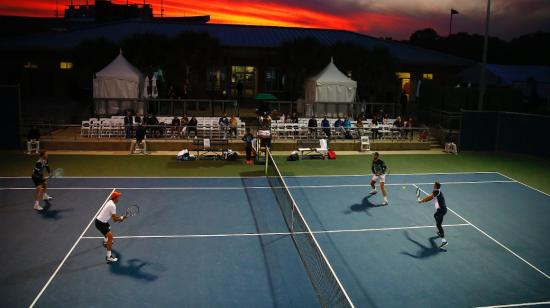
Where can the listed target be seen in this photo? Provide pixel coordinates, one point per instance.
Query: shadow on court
(423, 250)
(132, 268)
(48, 213)
(364, 206)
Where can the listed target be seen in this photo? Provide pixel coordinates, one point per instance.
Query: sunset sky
(379, 18)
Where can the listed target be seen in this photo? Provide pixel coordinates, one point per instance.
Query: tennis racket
(132, 210)
(58, 173)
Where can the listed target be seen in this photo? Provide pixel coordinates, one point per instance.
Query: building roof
(231, 36)
(507, 74)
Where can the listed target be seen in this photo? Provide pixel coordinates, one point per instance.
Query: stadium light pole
(484, 58)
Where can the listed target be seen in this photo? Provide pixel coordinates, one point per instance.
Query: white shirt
(108, 210)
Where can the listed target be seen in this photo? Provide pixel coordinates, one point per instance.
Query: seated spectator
(33, 140)
(359, 125)
(267, 120)
(312, 126)
(137, 118)
(176, 123)
(338, 123)
(347, 124)
(294, 118)
(223, 122)
(450, 146)
(374, 128)
(233, 124)
(397, 126)
(192, 126)
(386, 120)
(282, 118)
(423, 136)
(325, 124)
(184, 122)
(155, 125)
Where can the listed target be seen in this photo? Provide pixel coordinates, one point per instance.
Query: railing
(284, 131)
(164, 107)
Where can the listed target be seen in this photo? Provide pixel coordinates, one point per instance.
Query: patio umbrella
(146, 87)
(265, 96)
(154, 89)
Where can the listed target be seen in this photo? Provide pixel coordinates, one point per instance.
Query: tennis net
(328, 287)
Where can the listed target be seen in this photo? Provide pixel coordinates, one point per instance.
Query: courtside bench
(210, 148)
(312, 148)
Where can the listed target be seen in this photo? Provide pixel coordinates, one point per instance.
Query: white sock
(386, 199)
(104, 240)
(108, 253)
(36, 203)
(46, 195)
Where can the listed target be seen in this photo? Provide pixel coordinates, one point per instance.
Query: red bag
(331, 154)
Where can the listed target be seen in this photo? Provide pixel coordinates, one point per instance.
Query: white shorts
(382, 178)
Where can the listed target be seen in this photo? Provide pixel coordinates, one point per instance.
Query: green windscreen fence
(505, 131)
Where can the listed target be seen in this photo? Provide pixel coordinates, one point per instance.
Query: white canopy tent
(120, 80)
(330, 86)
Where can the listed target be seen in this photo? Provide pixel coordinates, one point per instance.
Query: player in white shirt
(102, 223)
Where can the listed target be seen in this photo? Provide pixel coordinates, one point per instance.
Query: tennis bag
(293, 156)
(331, 154)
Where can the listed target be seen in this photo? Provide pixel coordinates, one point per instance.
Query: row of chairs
(114, 127)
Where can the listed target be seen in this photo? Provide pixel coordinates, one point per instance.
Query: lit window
(428, 76)
(65, 65)
(402, 75)
(30, 65)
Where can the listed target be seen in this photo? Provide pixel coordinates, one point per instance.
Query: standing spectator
(312, 125)
(171, 92)
(404, 102)
(233, 124)
(33, 140)
(408, 128)
(192, 126)
(186, 88)
(325, 124)
(248, 137)
(239, 87)
(128, 124)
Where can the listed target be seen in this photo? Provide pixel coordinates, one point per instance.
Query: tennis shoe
(47, 197)
(111, 259)
(385, 203)
(372, 192)
(443, 244)
(37, 207)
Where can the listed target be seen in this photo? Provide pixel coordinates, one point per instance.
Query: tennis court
(213, 242)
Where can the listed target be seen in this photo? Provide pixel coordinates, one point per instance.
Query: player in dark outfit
(440, 210)
(40, 180)
(378, 170)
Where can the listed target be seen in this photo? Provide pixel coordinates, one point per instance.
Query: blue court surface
(223, 242)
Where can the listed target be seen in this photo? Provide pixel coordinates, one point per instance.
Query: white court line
(272, 233)
(250, 187)
(516, 305)
(68, 253)
(540, 191)
(494, 240)
(239, 177)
